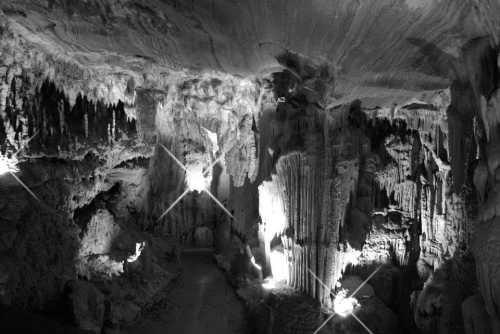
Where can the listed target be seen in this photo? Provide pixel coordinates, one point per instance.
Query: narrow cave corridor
(201, 301)
(250, 167)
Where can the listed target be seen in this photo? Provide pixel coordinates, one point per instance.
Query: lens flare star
(342, 305)
(195, 181)
(9, 165)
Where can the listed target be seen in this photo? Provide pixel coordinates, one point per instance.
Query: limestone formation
(314, 146)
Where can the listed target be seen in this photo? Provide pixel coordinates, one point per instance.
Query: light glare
(139, 246)
(279, 266)
(269, 284)
(343, 305)
(254, 263)
(195, 179)
(8, 165)
(271, 210)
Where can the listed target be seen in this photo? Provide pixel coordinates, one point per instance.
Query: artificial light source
(139, 247)
(257, 266)
(269, 284)
(195, 180)
(8, 165)
(343, 305)
(279, 265)
(272, 209)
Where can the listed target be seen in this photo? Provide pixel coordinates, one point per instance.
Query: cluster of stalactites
(314, 205)
(212, 105)
(418, 182)
(44, 117)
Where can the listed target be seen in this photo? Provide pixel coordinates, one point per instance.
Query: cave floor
(200, 302)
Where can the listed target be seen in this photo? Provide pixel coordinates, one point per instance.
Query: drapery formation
(370, 188)
(316, 188)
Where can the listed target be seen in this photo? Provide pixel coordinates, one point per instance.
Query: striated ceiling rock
(365, 120)
(378, 48)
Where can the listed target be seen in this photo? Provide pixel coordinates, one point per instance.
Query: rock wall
(413, 186)
(204, 121)
(360, 187)
(79, 153)
(484, 77)
(314, 157)
(74, 154)
(86, 142)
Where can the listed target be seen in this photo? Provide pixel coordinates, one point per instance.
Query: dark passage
(201, 302)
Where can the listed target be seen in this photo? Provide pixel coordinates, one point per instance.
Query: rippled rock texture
(98, 183)
(340, 135)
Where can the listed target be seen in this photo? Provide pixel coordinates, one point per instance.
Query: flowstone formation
(400, 196)
(94, 174)
(314, 149)
(386, 171)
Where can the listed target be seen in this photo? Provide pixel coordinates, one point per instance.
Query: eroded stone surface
(372, 126)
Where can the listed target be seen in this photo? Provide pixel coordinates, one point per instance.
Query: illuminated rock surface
(342, 137)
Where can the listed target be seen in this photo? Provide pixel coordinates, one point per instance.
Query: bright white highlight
(279, 266)
(343, 305)
(252, 258)
(272, 213)
(195, 180)
(213, 138)
(271, 209)
(8, 165)
(139, 247)
(269, 284)
(257, 266)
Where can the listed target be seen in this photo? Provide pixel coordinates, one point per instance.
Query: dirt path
(202, 302)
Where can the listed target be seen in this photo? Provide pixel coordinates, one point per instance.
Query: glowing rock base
(8, 165)
(343, 305)
(195, 180)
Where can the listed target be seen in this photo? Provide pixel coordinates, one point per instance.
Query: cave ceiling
(335, 134)
(378, 50)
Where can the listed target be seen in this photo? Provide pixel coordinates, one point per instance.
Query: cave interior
(250, 166)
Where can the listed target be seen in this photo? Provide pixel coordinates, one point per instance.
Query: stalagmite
(307, 149)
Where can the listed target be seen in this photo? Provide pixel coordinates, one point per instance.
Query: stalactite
(317, 201)
(393, 194)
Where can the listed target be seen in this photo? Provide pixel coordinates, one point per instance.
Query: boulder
(95, 260)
